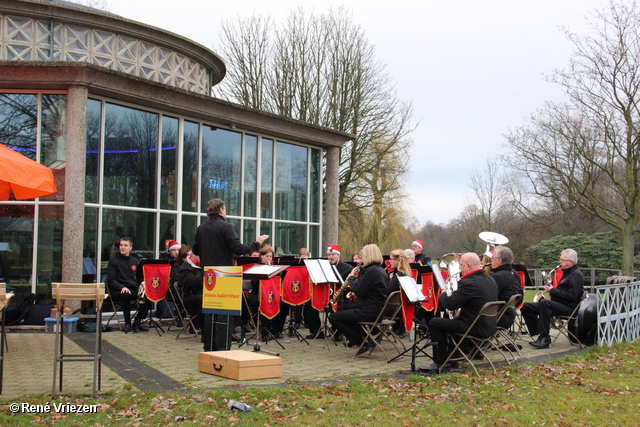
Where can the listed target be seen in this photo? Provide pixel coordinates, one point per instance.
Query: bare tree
(320, 68)
(586, 153)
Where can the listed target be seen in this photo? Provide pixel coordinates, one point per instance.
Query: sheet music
(411, 289)
(321, 271)
(263, 269)
(437, 274)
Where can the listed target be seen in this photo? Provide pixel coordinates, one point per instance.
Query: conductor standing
(216, 242)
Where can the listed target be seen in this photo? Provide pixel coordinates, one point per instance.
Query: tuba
(142, 294)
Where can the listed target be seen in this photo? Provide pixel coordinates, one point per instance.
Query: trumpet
(142, 294)
(546, 278)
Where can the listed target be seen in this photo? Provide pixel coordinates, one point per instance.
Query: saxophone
(345, 285)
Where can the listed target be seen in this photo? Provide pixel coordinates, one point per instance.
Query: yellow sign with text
(222, 290)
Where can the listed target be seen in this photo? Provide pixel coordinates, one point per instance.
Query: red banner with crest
(156, 280)
(408, 311)
(295, 285)
(320, 295)
(270, 294)
(430, 302)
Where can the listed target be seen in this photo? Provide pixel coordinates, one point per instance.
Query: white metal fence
(618, 313)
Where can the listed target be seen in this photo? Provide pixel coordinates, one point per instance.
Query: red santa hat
(333, 248)
(173, 245)
(417, 242)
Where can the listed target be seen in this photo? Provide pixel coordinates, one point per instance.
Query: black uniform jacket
(216, 242)
(570, 288)
(474, 291)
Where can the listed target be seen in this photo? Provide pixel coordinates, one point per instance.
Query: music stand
(264, 272)
(290, 329)
(322, 271)
(140, 278)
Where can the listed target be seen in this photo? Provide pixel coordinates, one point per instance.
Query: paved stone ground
(147, 361)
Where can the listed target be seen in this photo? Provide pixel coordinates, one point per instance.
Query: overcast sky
(473, 69)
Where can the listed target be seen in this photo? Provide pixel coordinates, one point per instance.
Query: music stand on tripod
(322, 272)
(295, 292)
(155, 273)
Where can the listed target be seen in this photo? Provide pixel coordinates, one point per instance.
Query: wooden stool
(62, 292)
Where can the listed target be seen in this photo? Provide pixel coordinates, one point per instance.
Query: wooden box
(240, 364)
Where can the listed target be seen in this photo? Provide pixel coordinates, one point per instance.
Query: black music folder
(263, 272)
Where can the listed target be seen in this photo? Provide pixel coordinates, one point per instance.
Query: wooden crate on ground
(240, 364)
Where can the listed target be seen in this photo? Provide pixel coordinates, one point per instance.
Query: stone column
(330, 217)
(73, 235)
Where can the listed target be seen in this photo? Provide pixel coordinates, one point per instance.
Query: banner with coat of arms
(430, 302)
(156, 280)
(270, 297)
(295, 286)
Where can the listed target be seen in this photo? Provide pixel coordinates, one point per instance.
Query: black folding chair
(381, 329)
(563, 323)
(489, 310)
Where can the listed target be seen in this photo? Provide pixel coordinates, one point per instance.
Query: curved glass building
(122, 114)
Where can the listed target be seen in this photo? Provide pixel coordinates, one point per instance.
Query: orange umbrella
(26, 178)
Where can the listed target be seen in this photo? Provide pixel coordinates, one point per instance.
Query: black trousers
(216, 332)
(537, 315)
(126, 299)
(439, 329)
(346, 320)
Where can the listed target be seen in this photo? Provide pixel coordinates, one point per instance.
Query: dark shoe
(277, 335)
(126, 329)
(247, 328)
(296, 325)
(338, 337)
(137, 327)
(315, 335)
(235, 338)
(364, 348)
(435, 367)
(543, 343)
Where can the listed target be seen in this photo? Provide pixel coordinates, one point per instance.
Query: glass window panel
(53, 140)
(250, 174)
(169, 161)
(266, 228)
(249, 232)
(221, 167)
(90, 247)
(291, 182)
(190, 167)
(139, 226)
(290, 238)
(316, 183)
(168, 224)
(50, 225)
(16, 251)
(130, 148)
(18, 122)
(189, 225)
(94, 129)
(235, 223)
(314, 242)
(266, 182)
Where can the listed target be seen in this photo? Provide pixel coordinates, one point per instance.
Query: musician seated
(122, 282)
(564, 299)
(507, 280)
(400, 267)
(370, 289)
(275, 325)
(190, 277)
(475, 289)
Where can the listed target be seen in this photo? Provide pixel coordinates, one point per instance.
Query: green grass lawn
(599, 387)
